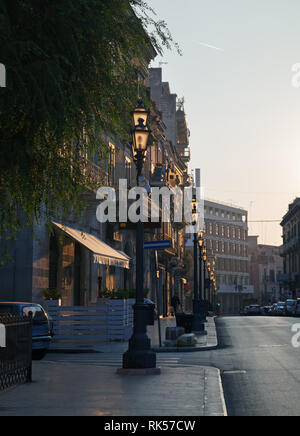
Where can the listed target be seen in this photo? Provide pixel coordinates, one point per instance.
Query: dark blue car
(41, 330)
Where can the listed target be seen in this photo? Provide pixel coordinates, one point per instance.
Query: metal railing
(16, 356)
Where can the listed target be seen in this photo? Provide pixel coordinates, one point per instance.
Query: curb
(73, 351)
(222, 395)
(212, 344)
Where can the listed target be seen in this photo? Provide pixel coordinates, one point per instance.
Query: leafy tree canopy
(70, 77)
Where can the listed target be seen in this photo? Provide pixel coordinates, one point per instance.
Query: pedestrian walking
(175, 303)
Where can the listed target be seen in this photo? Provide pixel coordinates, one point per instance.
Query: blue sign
(157, 245)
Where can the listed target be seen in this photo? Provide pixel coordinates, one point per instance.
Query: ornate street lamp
(140, 136)
(198, 319)
(202, 256)
(139, 354)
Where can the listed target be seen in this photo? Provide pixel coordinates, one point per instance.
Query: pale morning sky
(243, 112)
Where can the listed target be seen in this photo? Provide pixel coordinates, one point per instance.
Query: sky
(242, 109)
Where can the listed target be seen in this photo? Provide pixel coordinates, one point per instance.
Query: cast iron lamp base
(139, 354)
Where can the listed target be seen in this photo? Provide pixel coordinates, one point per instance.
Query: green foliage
(70, 81)
(120, 294)
(52, 294)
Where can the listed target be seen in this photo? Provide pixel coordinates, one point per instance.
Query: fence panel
(110, 320)
(79, 322)
(16, 356)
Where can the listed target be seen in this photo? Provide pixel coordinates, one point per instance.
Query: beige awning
(103, 253)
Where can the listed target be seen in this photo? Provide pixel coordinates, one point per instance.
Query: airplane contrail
(209, 46)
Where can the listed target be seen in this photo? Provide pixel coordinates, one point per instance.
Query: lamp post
(139, 354)
(205, 289)
(202, 257)
(198, 319)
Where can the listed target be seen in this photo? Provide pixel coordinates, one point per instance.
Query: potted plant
(53, 295)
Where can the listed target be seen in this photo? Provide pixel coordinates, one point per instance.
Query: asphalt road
(260, 367)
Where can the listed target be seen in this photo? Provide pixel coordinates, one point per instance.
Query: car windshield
(38, 314)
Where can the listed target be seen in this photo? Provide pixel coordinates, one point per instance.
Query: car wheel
(38, 354)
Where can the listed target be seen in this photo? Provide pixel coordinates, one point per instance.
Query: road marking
(116, 361)
(272, 346)
(234, 372)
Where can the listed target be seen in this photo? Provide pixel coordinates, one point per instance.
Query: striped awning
(103, 253)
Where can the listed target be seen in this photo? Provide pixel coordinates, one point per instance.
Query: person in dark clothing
(175, 303)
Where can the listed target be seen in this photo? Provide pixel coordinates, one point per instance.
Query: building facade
(170, 155)
(226, 233)
(265, 269)
(290, 250)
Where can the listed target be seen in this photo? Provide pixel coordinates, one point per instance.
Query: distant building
(265, 269)
(290, 250)
(226, 234)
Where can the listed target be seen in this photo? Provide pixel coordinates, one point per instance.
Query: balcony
(292, 245)
(159, 177)
(185, 155)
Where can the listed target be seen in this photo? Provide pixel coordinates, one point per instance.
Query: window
(223, 231)
(233, 233)
(128, 169)
(217, 229)
(111, 164)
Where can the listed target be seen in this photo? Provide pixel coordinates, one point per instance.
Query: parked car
(297, 308)
(273, 309)
(281, 308)
(290, 309)
(41, 329)
(244, 311)
(265, 310)
(253, 309)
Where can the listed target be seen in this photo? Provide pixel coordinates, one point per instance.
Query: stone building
(290, 250)
(226, 232)
(170, 155)
(265, 270)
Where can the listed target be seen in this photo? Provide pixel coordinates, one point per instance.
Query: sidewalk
(71, 388)
(75, 390)
(205, 342)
